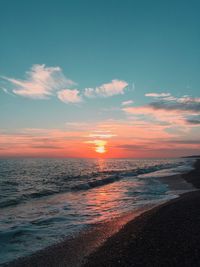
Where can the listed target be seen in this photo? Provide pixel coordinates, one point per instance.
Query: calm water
(45, 200)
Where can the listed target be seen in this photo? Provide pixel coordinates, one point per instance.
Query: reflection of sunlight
(100, 203)
(103, 201)
(102, 164)
(110, 200)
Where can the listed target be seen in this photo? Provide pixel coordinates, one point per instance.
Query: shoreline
(167, 235)
(72, 252)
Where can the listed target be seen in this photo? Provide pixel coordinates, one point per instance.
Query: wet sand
(72, 251)
(139, 238)
(168, 235)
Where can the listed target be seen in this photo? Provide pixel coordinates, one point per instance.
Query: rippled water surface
(45, 200)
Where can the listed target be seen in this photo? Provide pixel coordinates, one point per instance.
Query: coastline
(72, 251)
(167, 235)
(90, 243)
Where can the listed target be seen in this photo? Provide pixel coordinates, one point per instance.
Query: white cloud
(158, 95)
(69, 96)
(177, 111)
(40, 82)
(101, 135)
(127, 103)
(188, 100)
(115, 87)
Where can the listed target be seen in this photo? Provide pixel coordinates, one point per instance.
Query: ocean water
(43, 201)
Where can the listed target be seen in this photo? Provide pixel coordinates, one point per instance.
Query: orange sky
(113, 138)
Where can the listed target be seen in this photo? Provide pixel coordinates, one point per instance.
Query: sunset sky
(99, 78)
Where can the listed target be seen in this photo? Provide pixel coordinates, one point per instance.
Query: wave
(97, 183)
(25, 197)
(13, 234)
(93, 180)
(114, 176)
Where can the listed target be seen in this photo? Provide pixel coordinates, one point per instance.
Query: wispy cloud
(40, 142)
(69, 96)
(157, 95)
(129, 138)
(115, 87)
(194, 120)
(170, 109)
(41, 82)
(185, 103)
(127, 103)
(101, 135)
(184, 142)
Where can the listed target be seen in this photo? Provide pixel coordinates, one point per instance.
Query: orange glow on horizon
(127, 141)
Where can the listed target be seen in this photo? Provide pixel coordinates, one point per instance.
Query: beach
(156, 235)
(167, 235)
(99, 133)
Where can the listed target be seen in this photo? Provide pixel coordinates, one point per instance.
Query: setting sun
(100, 149)
(99, 145)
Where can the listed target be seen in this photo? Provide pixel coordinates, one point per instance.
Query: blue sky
(153, 46)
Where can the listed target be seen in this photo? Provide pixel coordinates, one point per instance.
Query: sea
(43, 201)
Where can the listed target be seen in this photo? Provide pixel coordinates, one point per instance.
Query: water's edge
(83, 243)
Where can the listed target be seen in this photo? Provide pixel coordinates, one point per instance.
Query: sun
(99, 145)
(100, 149)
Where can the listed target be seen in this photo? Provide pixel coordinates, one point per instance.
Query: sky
(99, 78)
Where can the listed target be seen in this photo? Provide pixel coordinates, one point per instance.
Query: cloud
(170, 109)
(40, 82)
(185, 142)
(193, 121)
(187, 99)
(101, 135)
(157, 95)
(40, 142)
(97, 142)
(120, 138)
(134, 147)
(46, 146)
(69, 96)
(190, 105)
(127, 103)
(115, 87)
(161, 149)
(168, 102)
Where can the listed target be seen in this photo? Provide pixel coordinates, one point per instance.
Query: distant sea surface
(44, 200)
